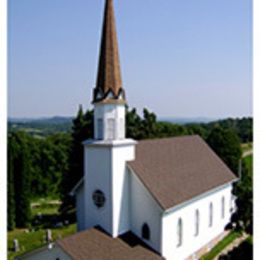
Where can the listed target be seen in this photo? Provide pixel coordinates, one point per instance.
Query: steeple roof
(109, 83)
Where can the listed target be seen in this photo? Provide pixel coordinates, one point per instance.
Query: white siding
(144, 209)
(190, 242)
(98, 177)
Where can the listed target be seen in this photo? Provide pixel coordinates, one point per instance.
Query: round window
(99, 198)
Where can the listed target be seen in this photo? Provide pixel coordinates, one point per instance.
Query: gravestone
(16, 245)
(48, 236)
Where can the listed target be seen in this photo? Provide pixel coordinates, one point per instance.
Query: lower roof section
(95, 243)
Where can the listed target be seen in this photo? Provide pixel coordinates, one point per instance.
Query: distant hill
(187, 120)
(40, 126)
(41, 120)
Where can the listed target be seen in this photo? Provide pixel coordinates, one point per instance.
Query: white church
(153, 199)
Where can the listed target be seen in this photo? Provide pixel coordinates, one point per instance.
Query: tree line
(51, 166)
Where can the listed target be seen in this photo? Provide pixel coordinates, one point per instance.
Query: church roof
(94, 243)
(175, 170)
(109, 82)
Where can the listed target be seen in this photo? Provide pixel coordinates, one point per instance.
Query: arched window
(179, 232)
(223, 207)
(145, 231)
(197, 222)
(210, 214)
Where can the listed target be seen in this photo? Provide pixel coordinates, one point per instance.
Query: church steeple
(109, 83)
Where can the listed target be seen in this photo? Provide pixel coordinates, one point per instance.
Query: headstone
(48, 236)
(16, 245)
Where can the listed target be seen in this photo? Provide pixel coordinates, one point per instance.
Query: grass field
(35, 237)
(249, 162)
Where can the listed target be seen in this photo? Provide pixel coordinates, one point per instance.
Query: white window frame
(197, 222)
(223, 207)
(179, 232)
(210, 214)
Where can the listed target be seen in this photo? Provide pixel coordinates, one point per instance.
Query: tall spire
(109, 83)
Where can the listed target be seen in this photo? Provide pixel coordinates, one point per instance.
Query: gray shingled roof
(178, 169)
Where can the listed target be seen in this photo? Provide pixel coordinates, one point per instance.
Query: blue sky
(179, 58)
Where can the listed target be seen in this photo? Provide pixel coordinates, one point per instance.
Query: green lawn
(221, 245)
(35, 238)
(32, 240)
(249, 162)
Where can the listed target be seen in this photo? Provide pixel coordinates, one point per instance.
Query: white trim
(121, 142)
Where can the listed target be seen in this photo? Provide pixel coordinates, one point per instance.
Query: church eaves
(109, 83)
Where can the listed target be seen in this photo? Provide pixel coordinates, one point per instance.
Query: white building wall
(105, 170)
(190, 242)
(104, 112)
(80, 204)
(144, 209)
(97, 177)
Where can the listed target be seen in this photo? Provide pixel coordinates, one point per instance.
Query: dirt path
(247, 153)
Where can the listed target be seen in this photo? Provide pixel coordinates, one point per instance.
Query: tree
(243, 190)
(225, 143)
(133, 123)
(197, 129)
(166, 129)
(148, 125)
(22, 172)
(11, 153)
(82, 129)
